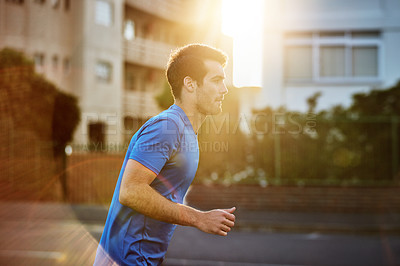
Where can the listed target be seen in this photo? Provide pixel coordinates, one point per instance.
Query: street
(192, 247)
(54, 235)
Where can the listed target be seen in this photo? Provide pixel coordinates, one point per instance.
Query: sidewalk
(47, 234)
(245, 220)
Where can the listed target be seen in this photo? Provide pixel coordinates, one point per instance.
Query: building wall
(26, 27)
(87, 45)
(320, 17)
(101, 100)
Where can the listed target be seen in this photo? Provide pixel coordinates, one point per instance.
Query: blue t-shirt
(167, 145)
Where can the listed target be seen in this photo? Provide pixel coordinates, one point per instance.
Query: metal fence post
(395, 146)
(10, 162)
(277, 148)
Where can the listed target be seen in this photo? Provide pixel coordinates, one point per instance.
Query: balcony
(140, 104)
(147, 53)
(175, 10)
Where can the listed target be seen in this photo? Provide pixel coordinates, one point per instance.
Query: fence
(340, 151)
(91, 177)
(345, 154)
(297, 199)
(354, 151)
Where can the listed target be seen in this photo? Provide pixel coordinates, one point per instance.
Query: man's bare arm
(136, 193)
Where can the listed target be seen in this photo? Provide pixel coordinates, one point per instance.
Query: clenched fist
(218, 222)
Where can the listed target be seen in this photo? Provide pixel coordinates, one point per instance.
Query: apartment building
(337, 48)
(111, 54)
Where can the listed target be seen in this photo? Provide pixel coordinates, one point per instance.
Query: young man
(161, 163)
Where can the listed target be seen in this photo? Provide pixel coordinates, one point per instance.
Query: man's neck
(195, 118)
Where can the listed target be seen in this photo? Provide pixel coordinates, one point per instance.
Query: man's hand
(218, 222)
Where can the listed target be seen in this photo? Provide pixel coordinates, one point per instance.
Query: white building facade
(337, 48)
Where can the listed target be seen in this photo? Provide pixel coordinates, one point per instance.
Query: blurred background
(307, 146)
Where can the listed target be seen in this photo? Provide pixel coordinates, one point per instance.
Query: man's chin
(217, 111)
(211, 111)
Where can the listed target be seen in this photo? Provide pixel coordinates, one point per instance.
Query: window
(333, 56)
(67, 66)
(131, 81)
(365, 61)
(128, 123)
(135, 81)
(332, 61)
(38, 58)
(96, 136)
(103, 71)
(129, 30)
(67, 5)
(103, 13)
(54, 62)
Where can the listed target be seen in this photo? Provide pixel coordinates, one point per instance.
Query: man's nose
(224, 89)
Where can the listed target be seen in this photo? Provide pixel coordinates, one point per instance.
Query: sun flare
(243, 21)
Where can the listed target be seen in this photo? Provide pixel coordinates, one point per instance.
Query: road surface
(55, 235)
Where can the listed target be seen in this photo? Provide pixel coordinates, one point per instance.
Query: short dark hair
(189, 61)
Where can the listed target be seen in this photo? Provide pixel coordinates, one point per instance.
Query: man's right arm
(136, 193)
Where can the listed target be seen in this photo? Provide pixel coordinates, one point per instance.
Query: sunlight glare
(243, 21)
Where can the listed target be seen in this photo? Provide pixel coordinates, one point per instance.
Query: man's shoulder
(169, 119)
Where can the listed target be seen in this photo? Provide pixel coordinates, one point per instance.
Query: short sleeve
(156, 143)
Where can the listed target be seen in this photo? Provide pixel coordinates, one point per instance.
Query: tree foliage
(165, 98)
(355, 145)
(66, 117)
(35, 103)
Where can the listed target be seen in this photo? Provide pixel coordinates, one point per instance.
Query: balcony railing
(167, 9)
(140, 104)
(147, 53)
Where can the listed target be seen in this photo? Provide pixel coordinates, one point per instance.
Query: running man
(160, 164)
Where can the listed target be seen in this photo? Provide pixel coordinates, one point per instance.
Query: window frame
(67, 5)
(66, 65)
(100, 22)
(54, 63)
(131, 81)
(134, 32)
(104, 63)
(39, 59)
(316, 42)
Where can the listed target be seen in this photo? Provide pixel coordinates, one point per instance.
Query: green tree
(352, 145)
(165, 98)
(66, 117)
(39, 97)
(36, 105)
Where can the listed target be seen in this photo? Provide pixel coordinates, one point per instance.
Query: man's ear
(189, 84)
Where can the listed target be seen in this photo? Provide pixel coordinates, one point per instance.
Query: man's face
(211, 93)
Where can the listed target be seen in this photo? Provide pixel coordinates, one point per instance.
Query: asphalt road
(192, 247)
(53, 235)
